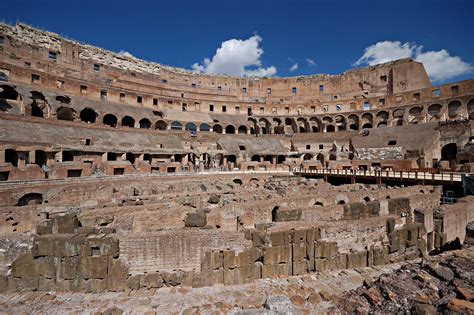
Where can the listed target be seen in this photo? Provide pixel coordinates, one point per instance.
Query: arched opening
(320, 158)
(242, 130)
(30, 199)
(111, 156)
(147, 158)
(449, 152)
(353, 121)
(470, 109)
(11, 156)
(367, 199)
(264, 130)
(176, 125)
(330, 128)
(318, 204)
(435, 110)
(8, 92)
(230, 129)
(367, 126)
(382, 124)
(130, 157)
(40, 157)
(217, 128)
(88, 115)
(145, 123)
(161, 125)
(255, 158)
(275, 213)
(252, 131)
(307, 157)
(65, 113)
(231, 158)
(110, 120)
(39, 106)
(237, 181)
(281, 159)
(268, 158)
(128, 121)
(341, 202)
(190, 127)
(63, 99)
(453, 109)
(204, 127)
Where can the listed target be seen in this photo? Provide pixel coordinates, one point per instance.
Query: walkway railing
(426, 176)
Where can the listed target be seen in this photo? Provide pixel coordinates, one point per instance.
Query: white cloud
(126, 54)
(439, 65)
(237, 57)
(310, 62)
(294, 67)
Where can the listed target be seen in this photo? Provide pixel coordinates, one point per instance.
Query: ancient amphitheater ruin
(128, 186)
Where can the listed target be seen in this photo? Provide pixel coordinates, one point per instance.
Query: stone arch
(190, 126)
(65, 113)
(237, 181)
(144, 123)
(88, 115)
(176, 125)
(230, 129)
(303, 125)
(39, 106)
(307, 157)
(11, 156)
(128, 121)
(204, 127)
(449, 152)
(340, 122)
(453, 109)
(330, 128)
(161, 125)
(217, 128)
(434, 111)
(63, 99)
(255, 158)
(129, 156)
(110, 120)
(415, 114)
(353, 121)
(8, 92)
(291, 122)
(398, 117)
(315, 124)
(30, 199)
(41, 158)
(242, 130)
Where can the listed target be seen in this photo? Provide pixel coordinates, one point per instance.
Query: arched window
(88, 115)
(65, 113)
(217, 128)
(128, 121)
(242, 130)
(190, 126)
(204, 127)
(230, 129)
(110, 120)
(145, 123)
(161, 125)
(176, 125)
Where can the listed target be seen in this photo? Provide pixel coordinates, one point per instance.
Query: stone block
(320, 264)
(3, 283)
(298, 236)
(287, 215)
(44, 229)
(46, 284)
(68, 267)
(57, 245)
(242, 275)
(300, 267)
(394, 242)
(116, 284)
(390, 225)
(153, 280)
(323, 249)
(397, 206)
(280, 238)
(270, 271)
(93, 267)
(172, 279)
(373, 208)
(117, 269)
(24, 266)
(195, 219)
(208, 278)
(86, 230)
(136, 282)
(310, 264)
(258, 238)
(244, 258)
(46, 267)
(340, 262)
(299, 252)
(354, 210)
(276, 254)
(357, 260)
(27, 284)
(312, 235)
(380, 255)
(95, 285)
(212, 260)
(65, 224)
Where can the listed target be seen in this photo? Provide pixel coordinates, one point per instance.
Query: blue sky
(333, 34)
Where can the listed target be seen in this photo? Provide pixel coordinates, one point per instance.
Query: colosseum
(131, 187)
